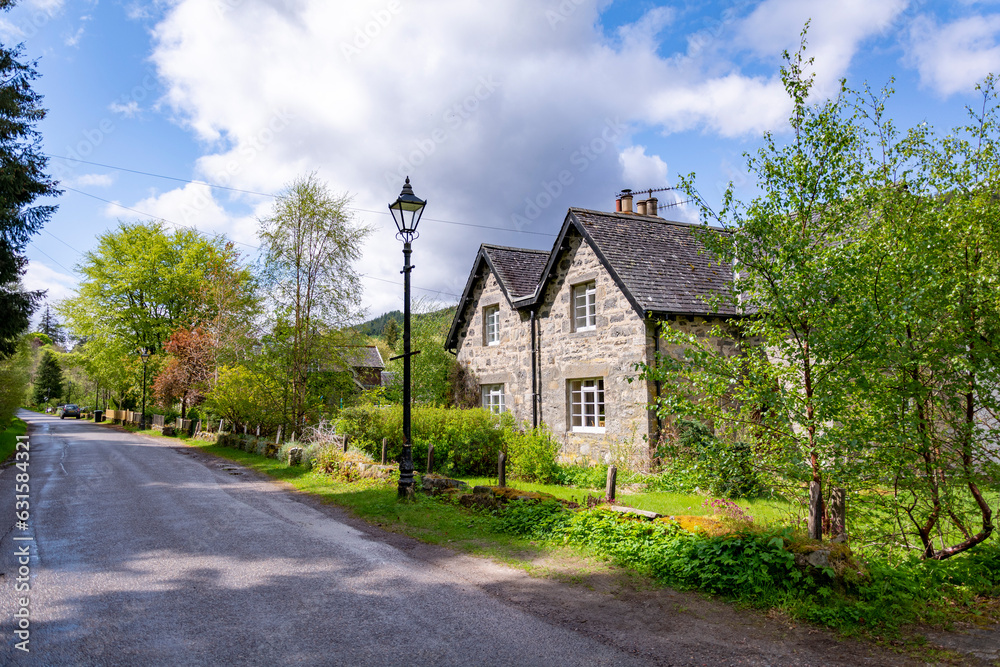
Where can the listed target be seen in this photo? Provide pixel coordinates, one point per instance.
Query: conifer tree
(49, 380)
(22, 181)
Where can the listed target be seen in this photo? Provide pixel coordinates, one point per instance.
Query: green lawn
(662, 502)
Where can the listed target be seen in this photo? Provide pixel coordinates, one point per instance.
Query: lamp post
(406, 212)
(144, 353)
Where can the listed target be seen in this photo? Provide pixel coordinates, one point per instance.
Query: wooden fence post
(385, 444)
(609, 489)
(347, 439)
(430, 458)
(277, 440)
(502, 470)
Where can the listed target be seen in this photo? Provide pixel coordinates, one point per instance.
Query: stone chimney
(651, 206)
(640, 207)
(626, 198)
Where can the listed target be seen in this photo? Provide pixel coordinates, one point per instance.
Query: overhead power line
(150, 215)
(272, 195)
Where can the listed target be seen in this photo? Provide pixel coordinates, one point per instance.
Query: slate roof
(660, 264)
(366, 356)
(517, 269)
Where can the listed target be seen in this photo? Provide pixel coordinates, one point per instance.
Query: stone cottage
(554, 336)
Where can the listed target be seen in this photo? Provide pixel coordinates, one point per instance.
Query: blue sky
(482, 104)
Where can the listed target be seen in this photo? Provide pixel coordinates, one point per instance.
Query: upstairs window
(491, 325)
(585, 306)
(586, 398)
(493, 397)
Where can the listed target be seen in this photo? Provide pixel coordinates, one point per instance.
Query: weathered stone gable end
(609, 352)
(509, 361)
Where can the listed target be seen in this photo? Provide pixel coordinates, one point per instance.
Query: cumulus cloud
(502, 114)
(836, 31)
(193, 207)
(637, 167)
(93, 180)
(40, 276)
(953, 57)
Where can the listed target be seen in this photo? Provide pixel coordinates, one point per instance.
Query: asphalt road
(142, 554)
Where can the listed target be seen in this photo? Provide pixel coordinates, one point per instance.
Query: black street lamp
(406, 212)
(144, 353)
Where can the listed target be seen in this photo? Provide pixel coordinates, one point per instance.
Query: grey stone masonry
(635, 274)
(507, 362)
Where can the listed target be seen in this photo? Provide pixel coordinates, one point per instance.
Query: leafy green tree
(867, 269)
(15, 378)
(48, 379)
(23, 181)
(431, 369)
(310, 244)
(793, 247)
(142, 282)
(931, 379)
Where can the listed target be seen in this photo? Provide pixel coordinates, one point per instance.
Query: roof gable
(660, 265)
(517, 271)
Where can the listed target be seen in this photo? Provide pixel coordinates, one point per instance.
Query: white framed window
(585, 306)
(586, 403)
(493, 397)
(491, 325)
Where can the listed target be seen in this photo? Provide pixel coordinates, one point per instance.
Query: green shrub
(702, 461)
(531, 455)
(466, 442)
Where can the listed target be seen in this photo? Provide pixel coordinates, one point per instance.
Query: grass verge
(8, 437)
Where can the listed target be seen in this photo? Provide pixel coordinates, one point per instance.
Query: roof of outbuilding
(365, 356)
(517, 269)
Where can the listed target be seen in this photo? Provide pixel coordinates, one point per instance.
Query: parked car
(69, 410)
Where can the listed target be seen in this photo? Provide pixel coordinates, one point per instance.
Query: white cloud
(193, 207)
(48, 6)
(93, 180)
(128, 109)
(953, 57)
(41, 276)
(74, 39)
(484, 105)
(641, 169)
(836, 31)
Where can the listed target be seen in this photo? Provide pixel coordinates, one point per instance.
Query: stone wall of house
(610, 351)
(507, 363)
(700, 327)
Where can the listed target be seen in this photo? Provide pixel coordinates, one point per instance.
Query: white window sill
(590, 328)
(588, 429)
(493, 343)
